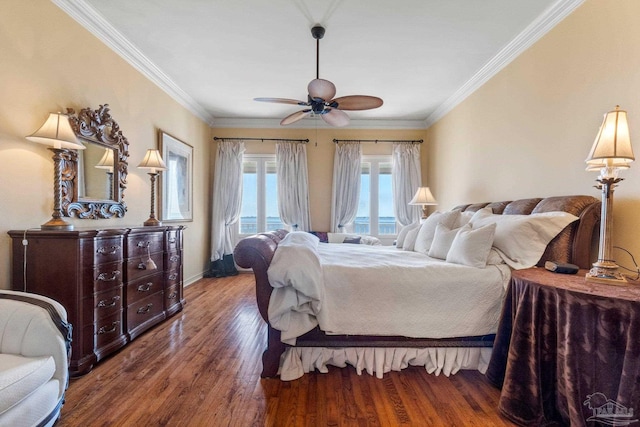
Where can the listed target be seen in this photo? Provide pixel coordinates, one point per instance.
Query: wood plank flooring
(202, 368)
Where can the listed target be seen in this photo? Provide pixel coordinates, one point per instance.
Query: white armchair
(34, 344)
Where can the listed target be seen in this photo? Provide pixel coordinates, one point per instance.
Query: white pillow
(442, 240)
(403, 234)
(522, 239)
(336, 237)
(410, 239)
(471, 246)
(428, 228)
(464, 218)
(494, 257)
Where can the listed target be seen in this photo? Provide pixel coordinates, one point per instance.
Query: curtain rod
(411, 141)
(215, 138)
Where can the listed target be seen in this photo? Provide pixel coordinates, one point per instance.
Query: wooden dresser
(114, 283)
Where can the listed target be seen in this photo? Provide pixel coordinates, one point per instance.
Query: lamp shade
(423, 197)
(153, 161)
(106, 162)
(56, 132)
(612, 146)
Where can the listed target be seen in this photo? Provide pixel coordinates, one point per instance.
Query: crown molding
(93, 22)
(531, 34)
(313, 123)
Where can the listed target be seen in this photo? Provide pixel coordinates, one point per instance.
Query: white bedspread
(377, 290)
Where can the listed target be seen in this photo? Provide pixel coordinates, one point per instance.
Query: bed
(317, 332)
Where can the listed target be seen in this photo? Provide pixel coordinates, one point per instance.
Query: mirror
(94, 179)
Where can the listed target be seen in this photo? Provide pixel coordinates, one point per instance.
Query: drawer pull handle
(143, 244)
(145, 287)
(172, 240)
(108, 330)
(173, 295)
(104, 278)
(144, 310)
(108, 250)
(174, 258)
(114, 300)
(173, 276)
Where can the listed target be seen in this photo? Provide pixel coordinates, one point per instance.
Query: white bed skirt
(296, 361)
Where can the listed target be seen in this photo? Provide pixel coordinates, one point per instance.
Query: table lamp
(611, 151)
(107, 163)
(58, 134)
(153, 161)
(424, 198)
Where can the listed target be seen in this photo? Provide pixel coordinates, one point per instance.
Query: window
(259, 210)
(375, 209)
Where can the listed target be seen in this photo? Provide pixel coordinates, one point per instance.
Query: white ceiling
(421, 57)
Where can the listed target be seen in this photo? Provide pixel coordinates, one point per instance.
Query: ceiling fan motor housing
(317, 32)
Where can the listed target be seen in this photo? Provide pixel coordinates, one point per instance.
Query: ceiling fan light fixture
(321, 94)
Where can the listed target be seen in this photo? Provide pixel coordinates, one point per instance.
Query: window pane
(386, 216)
(271, 198)
(249, 210)
(363, 216)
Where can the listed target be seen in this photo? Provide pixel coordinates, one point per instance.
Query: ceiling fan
(320, 98)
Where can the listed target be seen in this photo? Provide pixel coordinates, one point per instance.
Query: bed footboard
(256, 252)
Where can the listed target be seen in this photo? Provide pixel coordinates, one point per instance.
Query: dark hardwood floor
(202, 368)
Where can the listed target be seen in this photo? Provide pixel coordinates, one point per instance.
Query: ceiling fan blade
(321, 88)
(282, 101)
(292, 118)
(335, 117)
(358, 102)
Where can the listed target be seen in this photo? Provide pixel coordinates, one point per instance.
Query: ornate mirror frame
(95, 127)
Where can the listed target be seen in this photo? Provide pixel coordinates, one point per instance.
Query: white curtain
(405, 179)
(227, 196)
(293, 185)
(346, 185)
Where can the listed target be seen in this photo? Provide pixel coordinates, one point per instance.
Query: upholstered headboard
(574, 243)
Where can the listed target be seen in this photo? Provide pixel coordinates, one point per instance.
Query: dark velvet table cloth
(567, 352)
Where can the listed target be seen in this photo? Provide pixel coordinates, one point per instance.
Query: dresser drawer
(108, 329)
(172, 296)
(140, 245)
(137, 267)
(173, 261)
(173, 241)
(143, 288)
(107, 276)
(108, 250)
(145, 312)
(108, 303)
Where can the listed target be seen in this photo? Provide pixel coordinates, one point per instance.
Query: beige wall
(49, 62)
(320, 151)
(527, 131)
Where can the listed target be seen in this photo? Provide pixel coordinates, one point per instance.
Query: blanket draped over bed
(314, 311)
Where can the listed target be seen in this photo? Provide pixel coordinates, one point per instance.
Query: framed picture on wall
(176, 183)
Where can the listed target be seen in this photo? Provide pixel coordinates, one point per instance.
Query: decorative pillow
(522, 239)
(472, 246)
(464, 218)
(370, 240)
(403, 234)
(494, 257)
(336, 237)
(442, 240)
(322, 235)
(352, 240)
(428, 228)
(410, 239)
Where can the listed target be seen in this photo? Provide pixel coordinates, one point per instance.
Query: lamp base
(608, 275)
(56, 224)
(152, 222)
